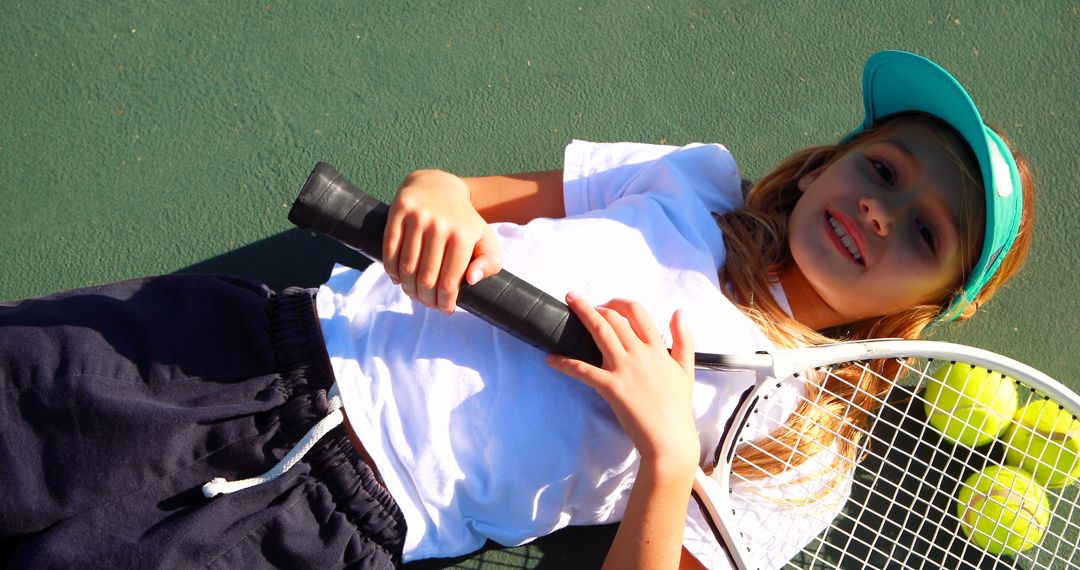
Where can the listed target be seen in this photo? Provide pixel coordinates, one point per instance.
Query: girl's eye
(927, 235)
(883, 170)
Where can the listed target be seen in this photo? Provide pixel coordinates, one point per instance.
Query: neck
(807, 306)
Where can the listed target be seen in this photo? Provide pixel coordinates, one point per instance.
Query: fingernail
(476, 275)
(572, 296)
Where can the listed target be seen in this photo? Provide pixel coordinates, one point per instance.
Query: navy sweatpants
(118, 402)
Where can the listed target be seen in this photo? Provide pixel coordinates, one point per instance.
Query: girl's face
(882, 228)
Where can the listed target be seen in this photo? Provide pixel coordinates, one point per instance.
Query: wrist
(670, 467)
(677, 448)
(438, 179)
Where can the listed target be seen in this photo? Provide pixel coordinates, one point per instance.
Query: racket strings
(948, 455)
(910, 520)
(1058, 548)
(833, 471)
(837, 403)
(802, 416)
(902, 477)
(833, 475)
(916, 507)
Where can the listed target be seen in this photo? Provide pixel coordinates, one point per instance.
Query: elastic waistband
(298, 340)
(302, 362)
(357, 493)
(308, 379)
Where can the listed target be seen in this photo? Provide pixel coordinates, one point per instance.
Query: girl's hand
(435, 238)
(648, 388)
(650, 391)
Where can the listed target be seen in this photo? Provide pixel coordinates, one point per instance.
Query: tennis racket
(831, 460)
(891, 490)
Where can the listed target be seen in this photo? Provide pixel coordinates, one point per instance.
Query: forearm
(651, 532)
(518, 198)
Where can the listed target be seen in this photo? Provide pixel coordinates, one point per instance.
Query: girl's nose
(879, 213)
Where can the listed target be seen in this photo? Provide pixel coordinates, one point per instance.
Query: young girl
(121, 402)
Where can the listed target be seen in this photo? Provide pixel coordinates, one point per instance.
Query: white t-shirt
(475, 436)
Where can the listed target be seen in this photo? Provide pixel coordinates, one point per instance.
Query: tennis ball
(1044, 440)
(968, 404)
(1003, 510)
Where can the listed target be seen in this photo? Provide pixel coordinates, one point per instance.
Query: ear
(807, 179)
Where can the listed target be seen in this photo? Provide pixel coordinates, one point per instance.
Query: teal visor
(898, 82)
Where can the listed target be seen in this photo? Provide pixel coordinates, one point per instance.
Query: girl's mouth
(842, 238)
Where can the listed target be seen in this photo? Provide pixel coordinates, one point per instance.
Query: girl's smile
(891, 224)
(845, 236)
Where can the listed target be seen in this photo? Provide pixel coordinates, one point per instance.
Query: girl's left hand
(649, 389)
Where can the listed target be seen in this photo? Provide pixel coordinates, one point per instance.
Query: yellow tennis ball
(968, 404)
(1044, 440)
(1003, 510)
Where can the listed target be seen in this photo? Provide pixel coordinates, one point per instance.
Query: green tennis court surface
(152, 137)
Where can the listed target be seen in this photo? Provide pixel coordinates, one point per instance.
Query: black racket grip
(329, 204)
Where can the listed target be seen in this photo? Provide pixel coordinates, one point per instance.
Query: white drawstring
(220, 486)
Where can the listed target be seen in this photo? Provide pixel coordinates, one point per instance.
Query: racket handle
(329, 204)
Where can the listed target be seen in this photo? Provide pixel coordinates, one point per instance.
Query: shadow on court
(294, 257)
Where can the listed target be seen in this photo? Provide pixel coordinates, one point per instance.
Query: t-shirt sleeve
(597, 174)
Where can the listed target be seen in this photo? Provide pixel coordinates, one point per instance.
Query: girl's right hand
(649, 388)
(434, 239)
(651, 392)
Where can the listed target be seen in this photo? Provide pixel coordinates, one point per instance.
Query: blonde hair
(755, 238)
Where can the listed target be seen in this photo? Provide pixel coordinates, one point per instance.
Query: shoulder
(600, 156)
(603, 172)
